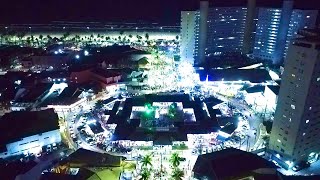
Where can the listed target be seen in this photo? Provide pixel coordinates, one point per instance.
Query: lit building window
(307, 121)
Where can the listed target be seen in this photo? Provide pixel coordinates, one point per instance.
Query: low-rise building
(26, 132)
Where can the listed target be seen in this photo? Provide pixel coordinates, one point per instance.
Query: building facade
(188, 20)
(295, 132)
(226, 27)
(273, 35)
(267, 38)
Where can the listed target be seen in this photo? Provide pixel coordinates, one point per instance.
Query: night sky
(163, 11)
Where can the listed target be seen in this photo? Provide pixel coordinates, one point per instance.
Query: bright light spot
(60, 50)
(56, 52)
(77, 56)
(91, 121)
(307, 121)
(290, 164)
(171, 49)
(17, 82)
(223, 134)
(64, 79)
(86, 53)
(279, 140)
(273, 75)
(278, 156)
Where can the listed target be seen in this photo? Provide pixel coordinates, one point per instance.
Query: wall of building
(32, 144)
(267, 39)
(187, 36)
(226, 26)
(296, 124)
(271, 32)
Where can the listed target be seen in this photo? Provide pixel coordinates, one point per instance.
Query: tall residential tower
(265, 32)
(295, 132)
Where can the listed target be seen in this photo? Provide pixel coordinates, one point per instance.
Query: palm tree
(20, 35)
(177, 174)
(41, 38)
(147, 36)
(175, 160)
(99, 105)
(146, 160)
(145, 174)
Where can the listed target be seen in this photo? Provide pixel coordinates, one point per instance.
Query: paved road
(254, 121)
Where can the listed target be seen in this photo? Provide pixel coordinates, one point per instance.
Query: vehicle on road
(300, 166)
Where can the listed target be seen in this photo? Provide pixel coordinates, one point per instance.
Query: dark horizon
(162, 11)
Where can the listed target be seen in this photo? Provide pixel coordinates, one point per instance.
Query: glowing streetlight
(56, 52)
(86, 53)
(77, 56)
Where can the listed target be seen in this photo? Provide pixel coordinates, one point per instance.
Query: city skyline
(159, 89)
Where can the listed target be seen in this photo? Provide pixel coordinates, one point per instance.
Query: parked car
(300, 166)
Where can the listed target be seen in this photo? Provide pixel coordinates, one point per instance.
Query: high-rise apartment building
(295, 131)
(188, 23)
(277, 27)
(266, 38)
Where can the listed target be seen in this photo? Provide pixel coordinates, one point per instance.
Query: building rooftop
(274, 89)
(252, 75)
(228, 163)
(13, 169)
(68, 96)
(87, 158)
(18, 124)
(255, 89)
(33, 93)
(105, 73)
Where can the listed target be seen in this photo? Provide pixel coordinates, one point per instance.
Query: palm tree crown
(175, 160)
(146, 160)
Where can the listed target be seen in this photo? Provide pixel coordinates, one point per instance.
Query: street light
(77, 56)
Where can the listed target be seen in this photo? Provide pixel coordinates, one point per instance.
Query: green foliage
(146, 161)
(268, 125)
(177, 174)
(145, 148)
(145, 174)
(182, 146)
(99, 104)
(175, 160)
